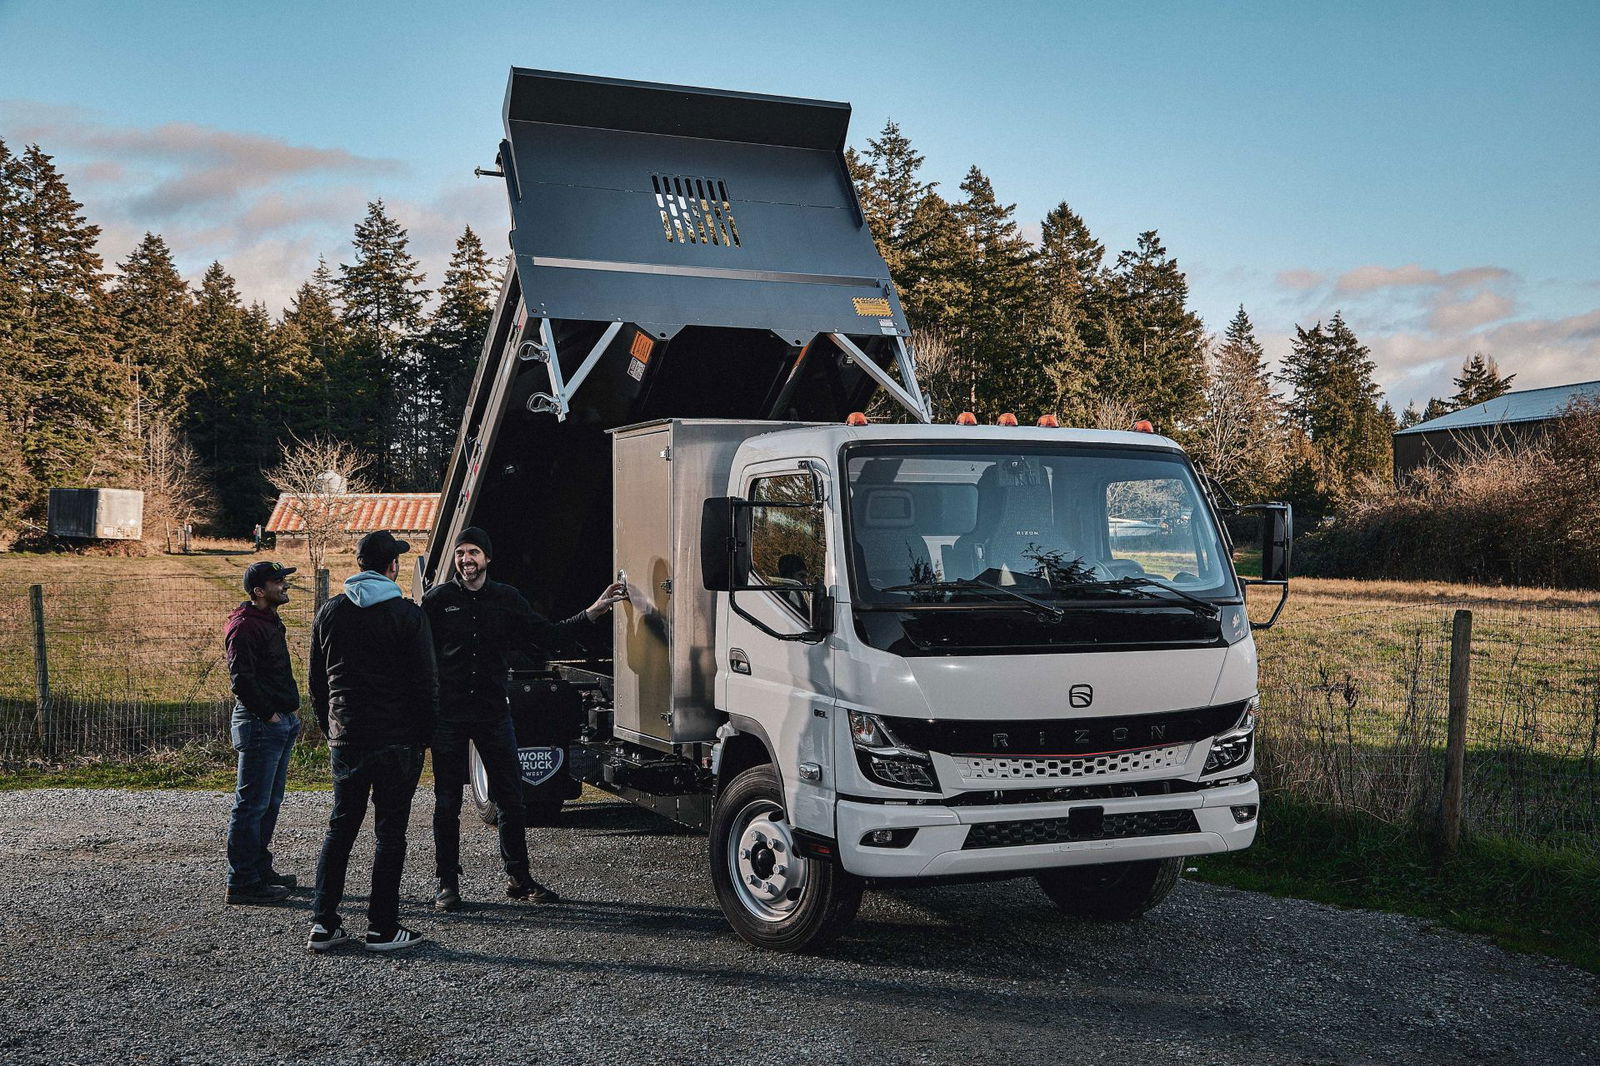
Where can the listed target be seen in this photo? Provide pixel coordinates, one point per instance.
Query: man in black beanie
(476, 622)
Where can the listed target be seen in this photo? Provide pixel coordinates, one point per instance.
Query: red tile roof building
(398, 512)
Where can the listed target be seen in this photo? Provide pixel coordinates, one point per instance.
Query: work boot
(525, 888)
(448, 897)
(273, 877)
(260, 892)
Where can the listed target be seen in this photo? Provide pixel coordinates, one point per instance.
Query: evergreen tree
(1410, 416)
(382, 296)
(1436, 408)
(1154, 345)
(226, 416)
(155, 323)
(16, 481)
(73, 410)
(1240, 437)
(449, 348)
(1067, 293)
(1480, 380)
(994, 277)
(932, 283)
(1335, 405)
(313, 340)
(890, 192)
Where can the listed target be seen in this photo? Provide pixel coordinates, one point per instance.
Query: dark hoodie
(258, 662)
(373, 682)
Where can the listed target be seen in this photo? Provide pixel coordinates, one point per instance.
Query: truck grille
(1056, 831)
(1069, 767)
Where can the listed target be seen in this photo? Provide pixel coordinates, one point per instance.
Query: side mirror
(716, 535)
(1277, 531)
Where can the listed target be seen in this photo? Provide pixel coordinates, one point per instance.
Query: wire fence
(128, 665)
(1355, 713)
(1355, 707)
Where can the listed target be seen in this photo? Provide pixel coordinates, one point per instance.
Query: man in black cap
(263, 730)
(375, 691)
(476, 623)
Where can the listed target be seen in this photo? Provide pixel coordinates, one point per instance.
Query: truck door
(785, 686)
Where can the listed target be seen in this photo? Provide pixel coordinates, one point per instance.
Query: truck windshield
(1063, 528)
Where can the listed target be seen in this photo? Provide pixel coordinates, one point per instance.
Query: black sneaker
(323, 938)
(531, 891)
(273, 877)
(395, 941)
(258, 893)
(448, 896)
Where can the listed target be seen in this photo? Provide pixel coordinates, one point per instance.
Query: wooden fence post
(41, 675)
(322, 588)
(1455, 751)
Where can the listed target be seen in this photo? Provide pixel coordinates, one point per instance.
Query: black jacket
(473, 632)
(373, 681)
(258, 662)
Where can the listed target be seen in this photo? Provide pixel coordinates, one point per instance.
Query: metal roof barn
(1513, 420)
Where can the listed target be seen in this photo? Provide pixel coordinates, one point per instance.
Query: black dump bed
(678, 253)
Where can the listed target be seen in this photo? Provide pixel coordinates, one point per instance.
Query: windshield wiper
(1135, 582)
(1055, 613)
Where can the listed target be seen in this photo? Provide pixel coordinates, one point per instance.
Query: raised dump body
(679, 253)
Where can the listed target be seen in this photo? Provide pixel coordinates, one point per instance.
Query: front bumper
(941, 846)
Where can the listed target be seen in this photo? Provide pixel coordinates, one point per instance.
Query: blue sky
(1429, 168)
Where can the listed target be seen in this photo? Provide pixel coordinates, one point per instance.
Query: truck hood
(1046, 686)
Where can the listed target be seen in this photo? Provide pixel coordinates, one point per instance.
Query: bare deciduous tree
(176, 492)
(321, 477)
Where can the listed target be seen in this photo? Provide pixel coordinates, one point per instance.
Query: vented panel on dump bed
(669, 206)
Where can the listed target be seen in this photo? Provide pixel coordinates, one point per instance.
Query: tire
(802, 908)
(1116, 891)
(478, 783)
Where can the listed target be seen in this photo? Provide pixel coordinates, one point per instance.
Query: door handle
(739, 661)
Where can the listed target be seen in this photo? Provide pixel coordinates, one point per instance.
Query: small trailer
(852, 653)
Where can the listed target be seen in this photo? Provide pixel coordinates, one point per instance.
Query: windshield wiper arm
(1199, 606)
(1055, 613)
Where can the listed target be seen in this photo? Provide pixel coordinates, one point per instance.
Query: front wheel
(1113, 891)
(772, 895)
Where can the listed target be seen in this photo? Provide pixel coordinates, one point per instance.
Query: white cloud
(1422, 323)
(263, 207)
(1457, 316)
(1300, 280)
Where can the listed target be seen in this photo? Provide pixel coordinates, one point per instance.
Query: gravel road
(115, 947)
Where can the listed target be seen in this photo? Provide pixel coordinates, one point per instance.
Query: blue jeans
(496, 740)
(389, 775)
(263, 749)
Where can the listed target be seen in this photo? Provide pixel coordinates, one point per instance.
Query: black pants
(496, 741)
(389, 775)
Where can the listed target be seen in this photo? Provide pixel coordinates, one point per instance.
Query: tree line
(1001, 324)
(133, 377)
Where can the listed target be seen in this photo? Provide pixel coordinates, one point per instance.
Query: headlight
(1235, 746)
(884, 759)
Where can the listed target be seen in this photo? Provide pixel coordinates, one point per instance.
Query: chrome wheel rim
(768, 877)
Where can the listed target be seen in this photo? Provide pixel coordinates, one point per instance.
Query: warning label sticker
(872, 306)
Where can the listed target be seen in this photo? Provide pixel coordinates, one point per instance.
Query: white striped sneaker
(400, 938)
(323, 938)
